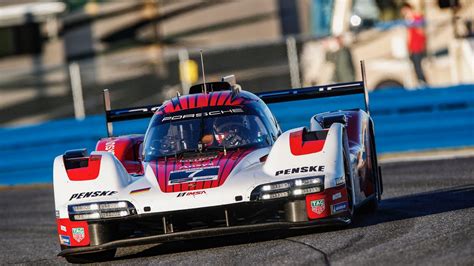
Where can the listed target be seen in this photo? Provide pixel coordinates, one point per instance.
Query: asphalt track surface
(426, 217)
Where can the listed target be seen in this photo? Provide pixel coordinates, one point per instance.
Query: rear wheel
(92, 257)
(373, 203)
(348, 179)
(348, 187)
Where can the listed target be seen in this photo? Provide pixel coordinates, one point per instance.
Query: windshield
(204, 130)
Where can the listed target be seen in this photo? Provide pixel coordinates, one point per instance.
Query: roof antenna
(203, 73)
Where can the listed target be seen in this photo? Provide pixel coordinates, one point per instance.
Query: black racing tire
(373, 204)
(99, 256)
(347, 173)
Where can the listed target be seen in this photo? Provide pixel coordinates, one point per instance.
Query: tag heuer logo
(78, 234)
(318, 206)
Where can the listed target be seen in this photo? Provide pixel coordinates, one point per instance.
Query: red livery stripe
(162, 169)
(219, 98)
(300, 147)
(90, 172)
(77, 232)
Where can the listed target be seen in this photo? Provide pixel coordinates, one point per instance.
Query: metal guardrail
(404, 121)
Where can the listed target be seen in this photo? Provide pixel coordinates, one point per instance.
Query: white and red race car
(215, 162)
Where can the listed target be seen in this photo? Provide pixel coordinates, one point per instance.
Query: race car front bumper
(206, 233)
(246, 217)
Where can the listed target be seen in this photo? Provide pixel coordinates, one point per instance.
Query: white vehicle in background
(450, 59)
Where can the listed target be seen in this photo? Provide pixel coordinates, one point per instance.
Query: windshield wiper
(184, 151)
(225, 148)
(214, 148)
(244, 146)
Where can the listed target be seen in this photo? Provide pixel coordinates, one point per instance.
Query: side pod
(299, 152)
(100, 172)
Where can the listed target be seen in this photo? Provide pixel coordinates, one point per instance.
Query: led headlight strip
(100, 210)
(283, 189)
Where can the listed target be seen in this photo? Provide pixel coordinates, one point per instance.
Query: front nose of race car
(313, 194)
(248, 200)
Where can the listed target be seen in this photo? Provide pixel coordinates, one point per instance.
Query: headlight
(86, 216)
(275, 195)
(100, 210)
(307, 181)
(295, 187)
(304, 191)
(85, 207)
(276, 186)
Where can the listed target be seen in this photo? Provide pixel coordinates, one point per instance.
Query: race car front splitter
(205, 233)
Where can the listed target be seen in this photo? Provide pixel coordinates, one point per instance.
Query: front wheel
(99, 256)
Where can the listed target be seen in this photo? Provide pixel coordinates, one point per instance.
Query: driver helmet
(228, 130)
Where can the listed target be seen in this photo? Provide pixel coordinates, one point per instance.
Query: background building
(135, 46)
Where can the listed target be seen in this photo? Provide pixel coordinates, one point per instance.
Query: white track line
(427, 156)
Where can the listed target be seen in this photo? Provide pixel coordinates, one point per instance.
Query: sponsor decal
(339, 180)
(57, 214)
(110, 146)
(63, 228)
(193, 175)
(339, 207)
(78, 234)
(136, 191)
(191, 193)
(138, 110)
(64, 240)
(336, 196)
(303, 169)
(92, 194)
(197, 159)
(197, 165)
(318, 206)
(210, 113)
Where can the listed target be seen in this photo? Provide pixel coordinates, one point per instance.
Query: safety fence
(426, 119)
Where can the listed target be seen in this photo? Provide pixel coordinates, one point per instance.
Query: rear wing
(125, 114)
(323, 91)
(332, 90)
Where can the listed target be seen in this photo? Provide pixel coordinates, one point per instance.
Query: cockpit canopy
(210, 128)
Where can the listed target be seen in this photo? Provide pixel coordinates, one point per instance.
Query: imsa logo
(191, 193)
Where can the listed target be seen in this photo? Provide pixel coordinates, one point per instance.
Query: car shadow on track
(420, 204)
(392, 209)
